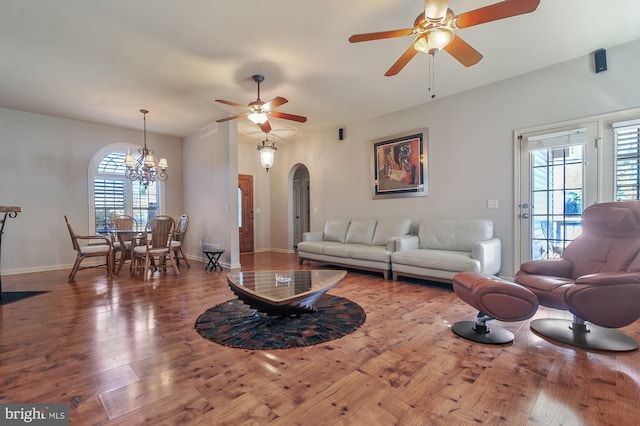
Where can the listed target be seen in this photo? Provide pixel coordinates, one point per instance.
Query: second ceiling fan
(435, 30)
(259, 111)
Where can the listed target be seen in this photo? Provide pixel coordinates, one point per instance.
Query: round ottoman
(494, 298)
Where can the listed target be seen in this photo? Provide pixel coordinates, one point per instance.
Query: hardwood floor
(124, 351)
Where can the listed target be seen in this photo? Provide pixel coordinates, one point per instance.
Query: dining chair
(155, 247)
(91, 246)
(178, 239)
(123, 238)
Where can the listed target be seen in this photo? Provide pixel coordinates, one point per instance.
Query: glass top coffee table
(283, 292)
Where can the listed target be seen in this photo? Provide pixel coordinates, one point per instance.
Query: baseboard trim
(226, 265)
(17, 271)
(276, 250)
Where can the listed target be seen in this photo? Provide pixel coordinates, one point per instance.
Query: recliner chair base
(591, 337)
(470, 330)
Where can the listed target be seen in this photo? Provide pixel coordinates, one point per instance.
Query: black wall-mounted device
(600, 60)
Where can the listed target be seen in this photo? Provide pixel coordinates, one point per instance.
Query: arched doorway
(300, 203)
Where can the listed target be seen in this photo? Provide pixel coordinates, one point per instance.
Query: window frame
(93, 173)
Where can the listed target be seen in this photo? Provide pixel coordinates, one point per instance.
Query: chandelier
(267, 153)
(144, 169)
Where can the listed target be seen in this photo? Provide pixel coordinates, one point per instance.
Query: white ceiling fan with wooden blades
(259, 111)
(435, 30)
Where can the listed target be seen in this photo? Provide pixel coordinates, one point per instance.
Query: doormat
(14, 296)
(235, 324)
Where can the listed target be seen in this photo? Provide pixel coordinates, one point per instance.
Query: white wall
(44, 169)
(470, 146)
(210, 192)
(249, 164)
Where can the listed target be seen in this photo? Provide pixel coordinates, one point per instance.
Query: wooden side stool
(213, 253)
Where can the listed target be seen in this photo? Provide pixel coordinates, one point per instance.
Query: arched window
(112, 194)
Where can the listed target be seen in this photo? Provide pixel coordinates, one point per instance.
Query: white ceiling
(101, 61)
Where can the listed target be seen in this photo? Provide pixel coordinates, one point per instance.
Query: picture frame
(400, 165)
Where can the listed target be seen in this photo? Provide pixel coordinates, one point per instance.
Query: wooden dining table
(137, 238)
(124, 236)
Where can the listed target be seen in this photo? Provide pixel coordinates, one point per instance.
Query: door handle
(525, 215)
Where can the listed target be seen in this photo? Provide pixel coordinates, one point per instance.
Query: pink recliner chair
(597, 279)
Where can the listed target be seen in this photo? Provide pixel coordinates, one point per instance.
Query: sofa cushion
(339, 250)
(454, 234)
(336, 230)
(313, 246)
(445, 260)
(361, 231)
(374, 253)
(388, 227)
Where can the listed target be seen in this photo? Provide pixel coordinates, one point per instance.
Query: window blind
(109, 200)
(627, 142)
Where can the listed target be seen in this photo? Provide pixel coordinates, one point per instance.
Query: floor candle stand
(9, 212)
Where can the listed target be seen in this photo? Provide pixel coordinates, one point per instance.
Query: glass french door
(558, 179)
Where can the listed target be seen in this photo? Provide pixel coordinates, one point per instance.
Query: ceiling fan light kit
(434, 40)
(258, 118)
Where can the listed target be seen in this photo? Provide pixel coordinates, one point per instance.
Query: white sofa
(444, 247)
(355, 243)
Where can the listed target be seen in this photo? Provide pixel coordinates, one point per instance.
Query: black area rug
(235, 324)
(14, 296)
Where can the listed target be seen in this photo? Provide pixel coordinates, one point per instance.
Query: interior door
(297, 229)
(558, 179)
(305, 208)
(245, 212)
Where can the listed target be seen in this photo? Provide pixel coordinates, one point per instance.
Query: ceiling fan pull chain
(432, 74)
(429, 73)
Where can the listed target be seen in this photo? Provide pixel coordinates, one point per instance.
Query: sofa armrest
(489, 253)
(608, 278)
(551, 267)
(95, 240)
(406, 242)
(607, 299)
(312, 236)
(391, 244)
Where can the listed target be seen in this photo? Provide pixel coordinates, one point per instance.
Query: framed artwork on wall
(400, 165)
